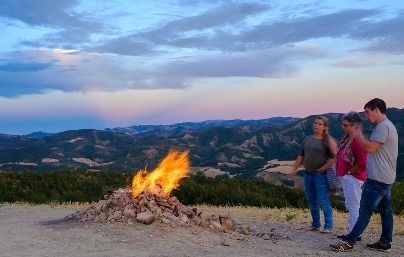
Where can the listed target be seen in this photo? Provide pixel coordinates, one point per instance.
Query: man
(382, 147)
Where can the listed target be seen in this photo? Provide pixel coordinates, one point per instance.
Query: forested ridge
(74, 186)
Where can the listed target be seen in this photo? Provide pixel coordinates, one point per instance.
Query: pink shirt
(360, 156)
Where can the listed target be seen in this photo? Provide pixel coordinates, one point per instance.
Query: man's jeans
(374, 195)
(316, 189)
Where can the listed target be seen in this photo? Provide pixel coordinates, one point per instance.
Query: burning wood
(149, 200)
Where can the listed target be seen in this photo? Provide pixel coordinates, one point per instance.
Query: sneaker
(342, 246)
(379, 246)
(343, 237)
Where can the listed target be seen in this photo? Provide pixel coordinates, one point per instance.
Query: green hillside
(239, 151)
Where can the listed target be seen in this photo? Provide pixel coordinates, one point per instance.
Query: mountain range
(238, 148)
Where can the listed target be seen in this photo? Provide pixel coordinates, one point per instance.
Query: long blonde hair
(326, 135)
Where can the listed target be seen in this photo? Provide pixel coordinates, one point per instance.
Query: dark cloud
(172, 33)
(346, 23)
(330, 25)
(45, 13)
(360, 24)
(276, 62)
(54, 14)
(385, 36)
(25, 66)
(130, 46)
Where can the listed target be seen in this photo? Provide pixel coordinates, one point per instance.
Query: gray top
(382, 164)
(314, 153)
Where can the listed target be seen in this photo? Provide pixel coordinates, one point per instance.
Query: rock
(98, 206)
(170, 216)
(102, 217)
(266, 236)
(184, 218)
(225, 243)
(216, 226)
(186, 210)
(129, 212)
(143, 202)
(145, 217)
(244, 231)
(104, 207)
(153, 206)
(165, 220)
(197, 221)
(117, 215)
(227, 223)
(214, 218)
(120, 206)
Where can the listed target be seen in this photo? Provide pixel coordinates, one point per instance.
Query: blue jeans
(375, 195)
(316, 189)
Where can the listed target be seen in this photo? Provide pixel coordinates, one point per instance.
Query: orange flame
(165, 177)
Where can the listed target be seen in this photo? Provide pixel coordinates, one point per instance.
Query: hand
(356, 130)
(292, 175)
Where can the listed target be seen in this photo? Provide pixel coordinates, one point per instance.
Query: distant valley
(237, 148)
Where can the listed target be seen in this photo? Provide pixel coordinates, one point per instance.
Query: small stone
(244, 231)
(225, 243)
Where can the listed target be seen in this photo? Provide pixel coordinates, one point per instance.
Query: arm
(369, 146)
(360, 157)
(331, 161)
(328, 164)
(296, 165)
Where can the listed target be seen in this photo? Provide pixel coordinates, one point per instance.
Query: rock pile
(121, 206)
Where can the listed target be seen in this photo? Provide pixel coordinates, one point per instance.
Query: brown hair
(376, 103)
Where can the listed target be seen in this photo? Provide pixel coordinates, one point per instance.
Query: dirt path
(38, 231)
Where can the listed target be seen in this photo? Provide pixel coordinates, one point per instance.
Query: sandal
(326, 231)
(312, 229)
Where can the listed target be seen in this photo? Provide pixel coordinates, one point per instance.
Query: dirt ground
(40, 231)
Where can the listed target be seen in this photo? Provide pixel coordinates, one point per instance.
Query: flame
(165, 177)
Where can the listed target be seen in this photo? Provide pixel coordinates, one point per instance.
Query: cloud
(384, 36)
(210, 30)
(221, 42)
(25, 66)
(129, 45)
(171, 33)
(75, 28)
(300, 29)
(86, 72)
(44, 13)
(275, 62)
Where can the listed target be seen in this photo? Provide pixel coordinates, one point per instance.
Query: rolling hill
(238, 148)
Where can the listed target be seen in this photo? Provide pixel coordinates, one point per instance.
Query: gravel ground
(40, 231)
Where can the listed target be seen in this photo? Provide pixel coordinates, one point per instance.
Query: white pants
(352, 193)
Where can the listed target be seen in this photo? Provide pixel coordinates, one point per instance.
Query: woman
(351, 166)
(317, 155)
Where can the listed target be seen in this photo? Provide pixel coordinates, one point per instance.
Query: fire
(165, 177)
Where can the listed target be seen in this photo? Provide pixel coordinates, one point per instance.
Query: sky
(73, 64)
